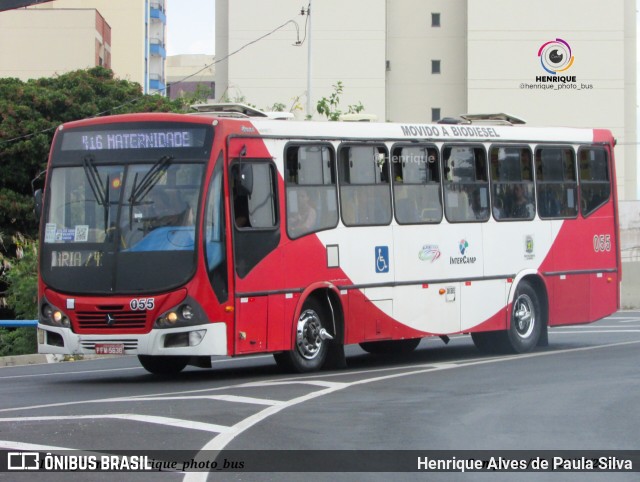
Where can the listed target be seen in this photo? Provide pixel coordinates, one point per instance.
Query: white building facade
(423, 60)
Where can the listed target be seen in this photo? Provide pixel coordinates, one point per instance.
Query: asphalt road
(580, 393)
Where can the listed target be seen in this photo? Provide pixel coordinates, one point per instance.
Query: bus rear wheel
(391, 347)
(525, 327)
(311, 342)
(526, 320)
(163, 365)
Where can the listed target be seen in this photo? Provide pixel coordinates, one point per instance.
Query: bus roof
(415, 132)
(378, 131)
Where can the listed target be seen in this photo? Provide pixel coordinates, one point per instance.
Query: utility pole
(309, 111)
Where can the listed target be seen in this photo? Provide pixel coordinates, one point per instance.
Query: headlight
(50, 315)
(185, 314)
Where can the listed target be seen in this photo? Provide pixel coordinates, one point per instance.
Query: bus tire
(310, 347)
(391, 347)
(526, 327)
(489, 341)
(526, 320)
(163, 365)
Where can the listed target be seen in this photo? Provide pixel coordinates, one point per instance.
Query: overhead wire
(134, 100)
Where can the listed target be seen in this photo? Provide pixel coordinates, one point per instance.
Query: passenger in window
(479, 205)
(521, 207)
(498, 208)
(241, 210)
(549, 204)
(304, 220)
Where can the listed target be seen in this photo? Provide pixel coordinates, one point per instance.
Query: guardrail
(18, 323)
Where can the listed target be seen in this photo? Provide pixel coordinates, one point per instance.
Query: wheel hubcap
(524, 316)
(309, 334)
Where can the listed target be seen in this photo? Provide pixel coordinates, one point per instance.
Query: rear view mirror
(37, 196)
(243, 179)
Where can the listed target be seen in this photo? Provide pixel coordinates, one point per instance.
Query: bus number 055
(602, 242)
(141, 304)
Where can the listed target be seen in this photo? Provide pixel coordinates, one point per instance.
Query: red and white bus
(176, 237)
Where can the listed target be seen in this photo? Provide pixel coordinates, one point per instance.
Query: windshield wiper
(148, 181)
(93, 176)
(100, 192)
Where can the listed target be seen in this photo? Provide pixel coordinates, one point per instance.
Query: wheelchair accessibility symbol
(382, 259)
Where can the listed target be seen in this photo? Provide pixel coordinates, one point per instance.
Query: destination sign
(111, 140)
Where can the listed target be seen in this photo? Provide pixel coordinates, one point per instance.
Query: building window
(435, 114)
(435, 19)
(435, 66)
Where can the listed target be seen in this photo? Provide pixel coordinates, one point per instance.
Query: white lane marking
(104, 370)
(171, 422)
(293, 381)
(222, 440)
(587, 327)
(224, 398)
(622, 330)
(12, 445)
(53, 374)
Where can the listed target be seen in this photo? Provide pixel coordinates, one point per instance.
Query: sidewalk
(39, 359)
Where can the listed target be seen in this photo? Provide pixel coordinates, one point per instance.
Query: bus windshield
(113, 226)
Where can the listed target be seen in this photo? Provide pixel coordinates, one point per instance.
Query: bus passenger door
(256, 236)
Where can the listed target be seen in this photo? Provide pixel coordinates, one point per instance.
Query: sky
(190, 27)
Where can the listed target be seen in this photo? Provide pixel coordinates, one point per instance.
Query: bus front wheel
(311, 341)
(163, 365)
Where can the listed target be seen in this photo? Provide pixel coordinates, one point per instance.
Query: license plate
(109, 349)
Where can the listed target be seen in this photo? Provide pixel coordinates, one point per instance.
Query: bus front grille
(111, 319)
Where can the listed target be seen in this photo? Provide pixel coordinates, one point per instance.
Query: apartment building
(423, 60)
(190, 73)
(48, 34)
(31, 45)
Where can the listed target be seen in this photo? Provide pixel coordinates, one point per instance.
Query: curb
(41, 359)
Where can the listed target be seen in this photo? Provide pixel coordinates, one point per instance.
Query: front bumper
(62, 341)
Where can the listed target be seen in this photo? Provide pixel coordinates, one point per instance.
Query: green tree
(30, 111)
(22, 296)
(330, 106)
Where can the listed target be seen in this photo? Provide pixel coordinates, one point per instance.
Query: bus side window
(365, 198)
(556, 182)
(512, 183)
(416, 185)
(254, 207)
(311, 193)
(595, 189)
(466, 189)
